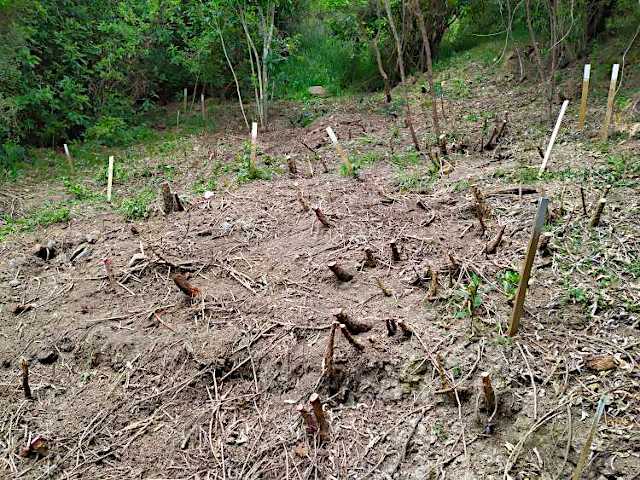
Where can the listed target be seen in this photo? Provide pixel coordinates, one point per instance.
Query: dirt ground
(130, 378)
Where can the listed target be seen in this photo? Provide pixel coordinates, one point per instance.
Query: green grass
(358, 162)
(137, 206)
(47, 215)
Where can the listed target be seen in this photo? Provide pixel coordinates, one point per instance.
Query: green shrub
(137, 207)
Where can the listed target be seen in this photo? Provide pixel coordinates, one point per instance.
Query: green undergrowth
(48, 214)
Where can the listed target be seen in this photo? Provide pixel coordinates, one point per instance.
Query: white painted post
(612, 94)
(178, 119)
(547, 154)
(585, 95)
(68, 155)
(254, 140)
(185, 100)
(110, 178)
(204, 112)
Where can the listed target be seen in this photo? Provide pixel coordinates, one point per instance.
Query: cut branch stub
(170, 201)
(392, 328)
(322, 217)
(492, 246)
(184, 286)
(354, 343)
(433, 287)
(406, 331)
(595, 220)
(369, 259)
(353, 326)
(489, 395)
(310, 424)
(340, 273)
(293, 167)
(24, 366)
(395, 253)
(327, 363)
(321, 419)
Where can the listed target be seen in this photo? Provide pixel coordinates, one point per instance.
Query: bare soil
(130, 378)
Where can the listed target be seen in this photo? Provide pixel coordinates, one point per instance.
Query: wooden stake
(586, 448)
(518, 304)
(254, 140)
(327, 361)
(204, 110)
(489, 395)
(341, 153)
(395, 253)
(110, 178)
(321, 420)
(556, 129)
(612, 94)
(185, 100)
(24, 366)
(584, 204)
(595, 220)
(178, 119)
(585, 95)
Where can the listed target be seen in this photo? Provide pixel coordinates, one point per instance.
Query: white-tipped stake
(612, 95)
(185, 100)
(110, 178)
(585, 96)
(68, 155)
(254, 140)
(552, 140)
(332, 136)
(204, 111)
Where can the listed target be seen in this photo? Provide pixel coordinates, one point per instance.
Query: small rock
(48, 357)
(318, 91)
(14, 283)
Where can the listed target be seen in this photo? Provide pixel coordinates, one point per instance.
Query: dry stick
(612, 94)
(24, 366)
(340, 273)
(556, 129)
(586, 448)
(110, 178)
(347, 335)
(403, 78)
(585, 94)
(584, 204)
(254, 140)
(322, 217)
(321, 420)
(309, 422)
(327, 361)
(595, 220)
(341, 153)
(489, 395)
(518, 304)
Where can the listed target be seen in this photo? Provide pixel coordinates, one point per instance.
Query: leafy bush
(137, 207)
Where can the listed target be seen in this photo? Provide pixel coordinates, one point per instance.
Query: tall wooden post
(612, 94)
(585, 96)
(525, 273)
(254, 141)
(110, 178)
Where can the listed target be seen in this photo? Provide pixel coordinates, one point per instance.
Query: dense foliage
(84, 69)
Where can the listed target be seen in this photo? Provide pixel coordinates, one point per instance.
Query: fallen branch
(354, 343)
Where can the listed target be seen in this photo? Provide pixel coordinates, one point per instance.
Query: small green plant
(461, 185)
(137, 207)
(438, 431)
(406, 159)
(458, 88)
(47, 215)
(79, 192)
(414, 180)
(358, 162)
(469, 298)
(205, 185)
(577, 295)
(509, 280)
